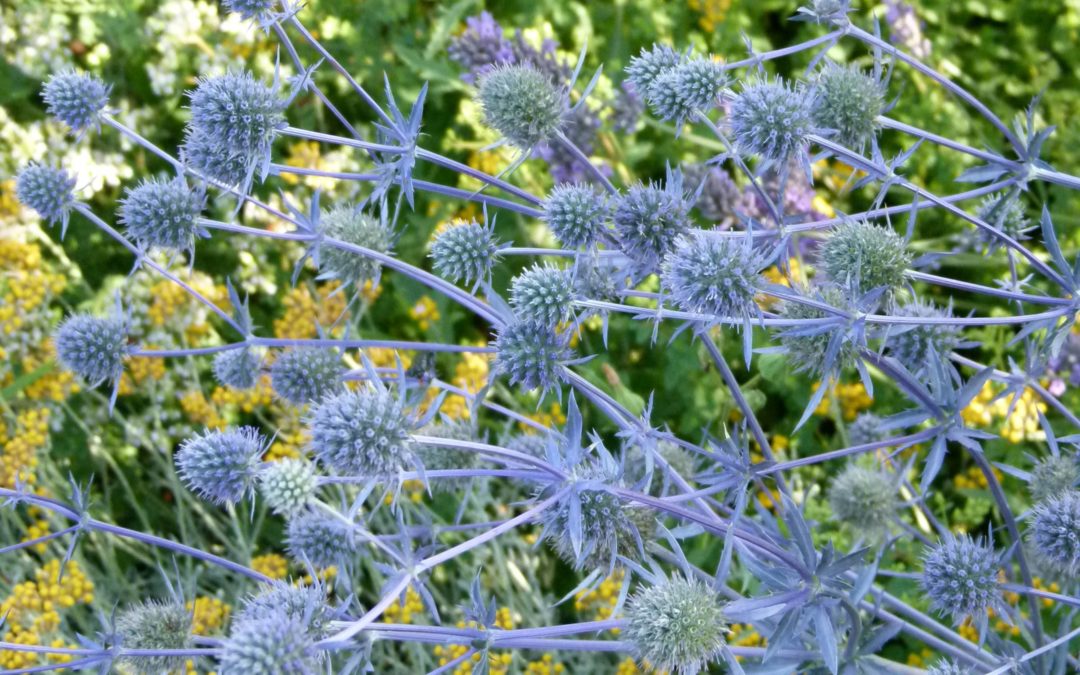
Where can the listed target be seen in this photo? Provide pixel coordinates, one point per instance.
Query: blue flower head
(93, 347)
(531, 354)
(522, 104)
(288, 484)
(645, 68)
(350, 224)
(849, 103)
(305, 603)
(711, 274)
(1055, 533)
(863, 256)
(773, 119)
(153, 625)
(47, 190)
(237, 368)
(465, 251)
(273, 645)
(693, 85)
(865, 499)
(913, 344)
(320, 538)
(576, 214)
(162, 213)
(960, 575)
(544, 294)
(306, 374)
(221, 466)
(76, 99)
(649, 219)
(1054, 475)
(677, 625)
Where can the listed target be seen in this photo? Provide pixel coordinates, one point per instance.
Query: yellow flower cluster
(403, 613)
(167, 299)
(744, 635)
(470, 374)
(545, 665)
(18, 458)
(25, 287)
(208, 614)
(291, 438)
(601, 600)
(974, 479)
(140, 369)
(55, 385)
(1019, 425)
(384, 357)
(33, 610)
(552, 418)
(247, 400)
(498, 662)
(712, 12)
(273, 565)
(776, 276)
(199, 411)
(629, 666)
(38, 528)
(424, 312)
(852, 399)
(304, 313)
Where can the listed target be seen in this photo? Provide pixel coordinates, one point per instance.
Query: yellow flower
(273, 565)
(208, 615)
(712, 12)
(852, 399)
(424, 312)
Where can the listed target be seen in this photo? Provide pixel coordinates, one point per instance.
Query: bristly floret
(1055, 532)
(692, 85)
(961, 577)
(275, 645)
(866, 429)
(363, 433)
(773, 119)
(162, 213)
(708, 273)
(319, 538)
(531, 354)
(465, 252)
(251, 9)
(833, 12)
(288, 484)
(154, 625)
(1053, 476)
(862, 256)
(304, 603)
(544, 294)
(849, 102)
(306, 374)
(914, 344)
(650, 64)
(76, 99)
(649, 219)
(349, 224)
(947, 667)
(677, 625)
(865, 499)
(1006, 213)
(576, 214)
(216, 162)
(93, 347)
(221, 466)
(822, 350)
(522, 104)
(48, 191)
(237, 368)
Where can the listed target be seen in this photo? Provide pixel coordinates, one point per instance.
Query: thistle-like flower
(865, 499)
(849, 102)
(216, 162)
(362, 433)
(543, 294)
(306, 374)
(677, 625)
(288, 484)
(76, 99)
(221, 466)
(707, 273)
(947, 667)
(320, 538)
(821, 350)
(862, 256)
(960, 575)
(692, 85)
(531, 354)
(93, 347)
(47, 190)
(1053, 476)
(162, 213)
(349, 224)
(466, 251)
(304, 603)
(154, 625)
(251, 9)
(773, 119)
(913, 344)
(866, 429)
(576, 214)
(1055, 532)
(650, 64)
(237, 368)
(1006, 213)
(275, 645)
(649, 219)
(522, 104)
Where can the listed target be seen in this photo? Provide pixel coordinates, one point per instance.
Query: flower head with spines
(153, 625)
(306, 374)
(1055, 532)
(522, 104)
(960, 575)
(466, 251)
(348, 223)
(913, 344)
(363, 432)
(543, 294)
(1053, 476)
(821, 350)
(237, 368)
(76, 99)
(47, 190)
(93, 347)
(649, 219)
(848, 103)
(692, 85)
(649, 65)
(1005, 212)
(531, 354)
(832, 12)
(576, 214)
(867, 428)
(274, 645)
(320, 538)
(305, 603)
(710, 274)
(163, 213)
(865, 499)
(862, 256)
(288, 484)
(773, 119)
(258, 10)
(215, 162)
(947, 667)
(221, 466)
(677, 625)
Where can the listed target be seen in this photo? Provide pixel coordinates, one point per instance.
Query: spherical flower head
(217, 162)
(1053, 476)
(522, 104)
(437, 457)
(808, 352)
(221, 466)
(530, 354)
(306, 374)
(866, 429)
(76, 99)
(251, 9)
(862, 256)
(544, 294)
(677, 625)
(304, 603)
(288, 485)
(597, 278)
(576, 214)
(649, 220)
(93, 347)
(913, 344)
(832, 12)
(362, 433)
(348, 223)
(162, 213)
(1055, 532)
(237, 368)
(646, 67)
(1006, 213)
(47, 190)
(864, 499)
(635, 465)
(154, 625)
(699, 82)
(237, 112)
(773, 119)
(961, 577)
(711, 274)
(466, 251)
(319, 538)
(849, 102)
(277, 645)
(947, 667)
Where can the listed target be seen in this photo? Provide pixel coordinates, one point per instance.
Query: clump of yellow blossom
(851, 398)
(273, 565)
(498, 662)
